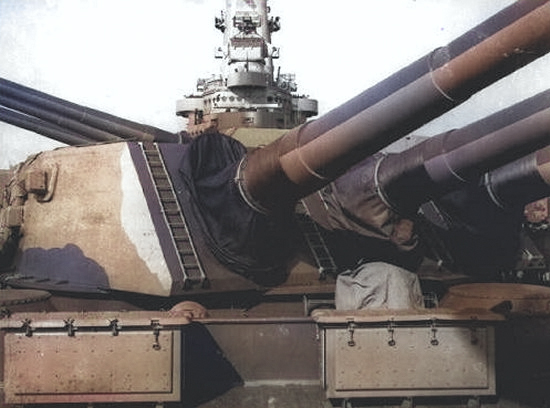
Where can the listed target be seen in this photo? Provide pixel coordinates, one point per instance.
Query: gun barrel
(480, 224)
(54, 118)
(520, 182)
(423, 66)
(114, 125)
(42, 127)
(448, 161)
(310, 156)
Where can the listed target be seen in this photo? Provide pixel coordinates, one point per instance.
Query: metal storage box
(406, 353)
(92, 357)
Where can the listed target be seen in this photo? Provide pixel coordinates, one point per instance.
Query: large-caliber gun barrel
(478, 229)
(448, 161)
(374, 202)
(309, 157)
(37, 114)
(92, 118)
(42, 127)
(520, 182)
(507, 189)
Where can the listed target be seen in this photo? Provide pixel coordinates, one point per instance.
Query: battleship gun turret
(208, 216)
(131, 217)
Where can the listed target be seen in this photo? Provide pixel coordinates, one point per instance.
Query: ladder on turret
(191, 266)
(316, 243)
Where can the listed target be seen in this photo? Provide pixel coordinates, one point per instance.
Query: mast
(245, 93)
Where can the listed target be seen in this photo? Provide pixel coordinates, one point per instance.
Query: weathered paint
(87, 223)
(136, 221)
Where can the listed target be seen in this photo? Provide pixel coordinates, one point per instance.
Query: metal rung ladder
(193, 272)
(316, 243)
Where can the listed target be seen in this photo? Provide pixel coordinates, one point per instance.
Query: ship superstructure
(246, 93)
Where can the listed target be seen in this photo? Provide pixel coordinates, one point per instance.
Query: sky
(135, 58)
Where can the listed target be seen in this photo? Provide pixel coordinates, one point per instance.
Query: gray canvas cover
(377, 285)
